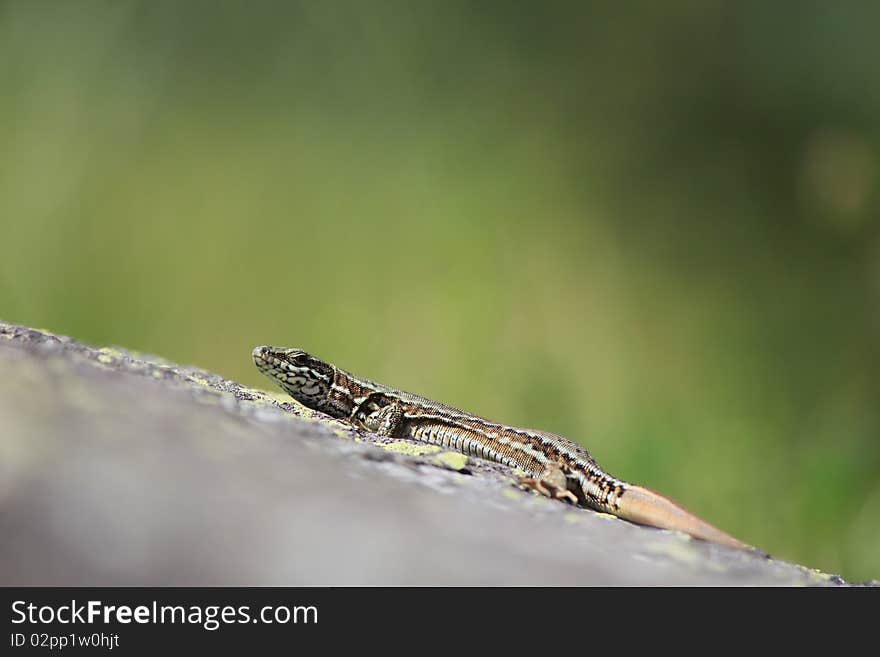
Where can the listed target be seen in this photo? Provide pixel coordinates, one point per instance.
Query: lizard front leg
(379, 415)
(387, 421)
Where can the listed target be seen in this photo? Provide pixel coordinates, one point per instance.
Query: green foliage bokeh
(651, 227)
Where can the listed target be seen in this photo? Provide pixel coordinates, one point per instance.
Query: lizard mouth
(261, 357)
(268, 362)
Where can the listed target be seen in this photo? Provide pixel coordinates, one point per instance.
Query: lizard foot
(552, 483)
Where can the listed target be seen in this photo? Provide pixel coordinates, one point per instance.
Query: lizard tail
(646, 507)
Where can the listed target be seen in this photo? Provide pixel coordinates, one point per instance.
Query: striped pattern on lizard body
(556, 466)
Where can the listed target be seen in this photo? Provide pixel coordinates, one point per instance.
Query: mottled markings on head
(304, 377)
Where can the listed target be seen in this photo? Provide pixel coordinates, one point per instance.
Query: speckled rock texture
(122, 469)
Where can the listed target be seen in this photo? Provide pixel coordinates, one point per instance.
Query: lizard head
(304, 377)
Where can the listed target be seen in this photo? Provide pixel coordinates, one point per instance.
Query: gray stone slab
(123, 469)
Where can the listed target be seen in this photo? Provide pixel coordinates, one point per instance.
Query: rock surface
(122, 469)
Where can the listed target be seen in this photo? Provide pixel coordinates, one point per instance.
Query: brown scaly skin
(554, 465)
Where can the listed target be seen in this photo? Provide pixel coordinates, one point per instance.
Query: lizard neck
(345, 393)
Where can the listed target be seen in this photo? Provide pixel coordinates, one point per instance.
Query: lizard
(553, 465)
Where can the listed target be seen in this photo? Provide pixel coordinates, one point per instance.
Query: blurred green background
(651, 227)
